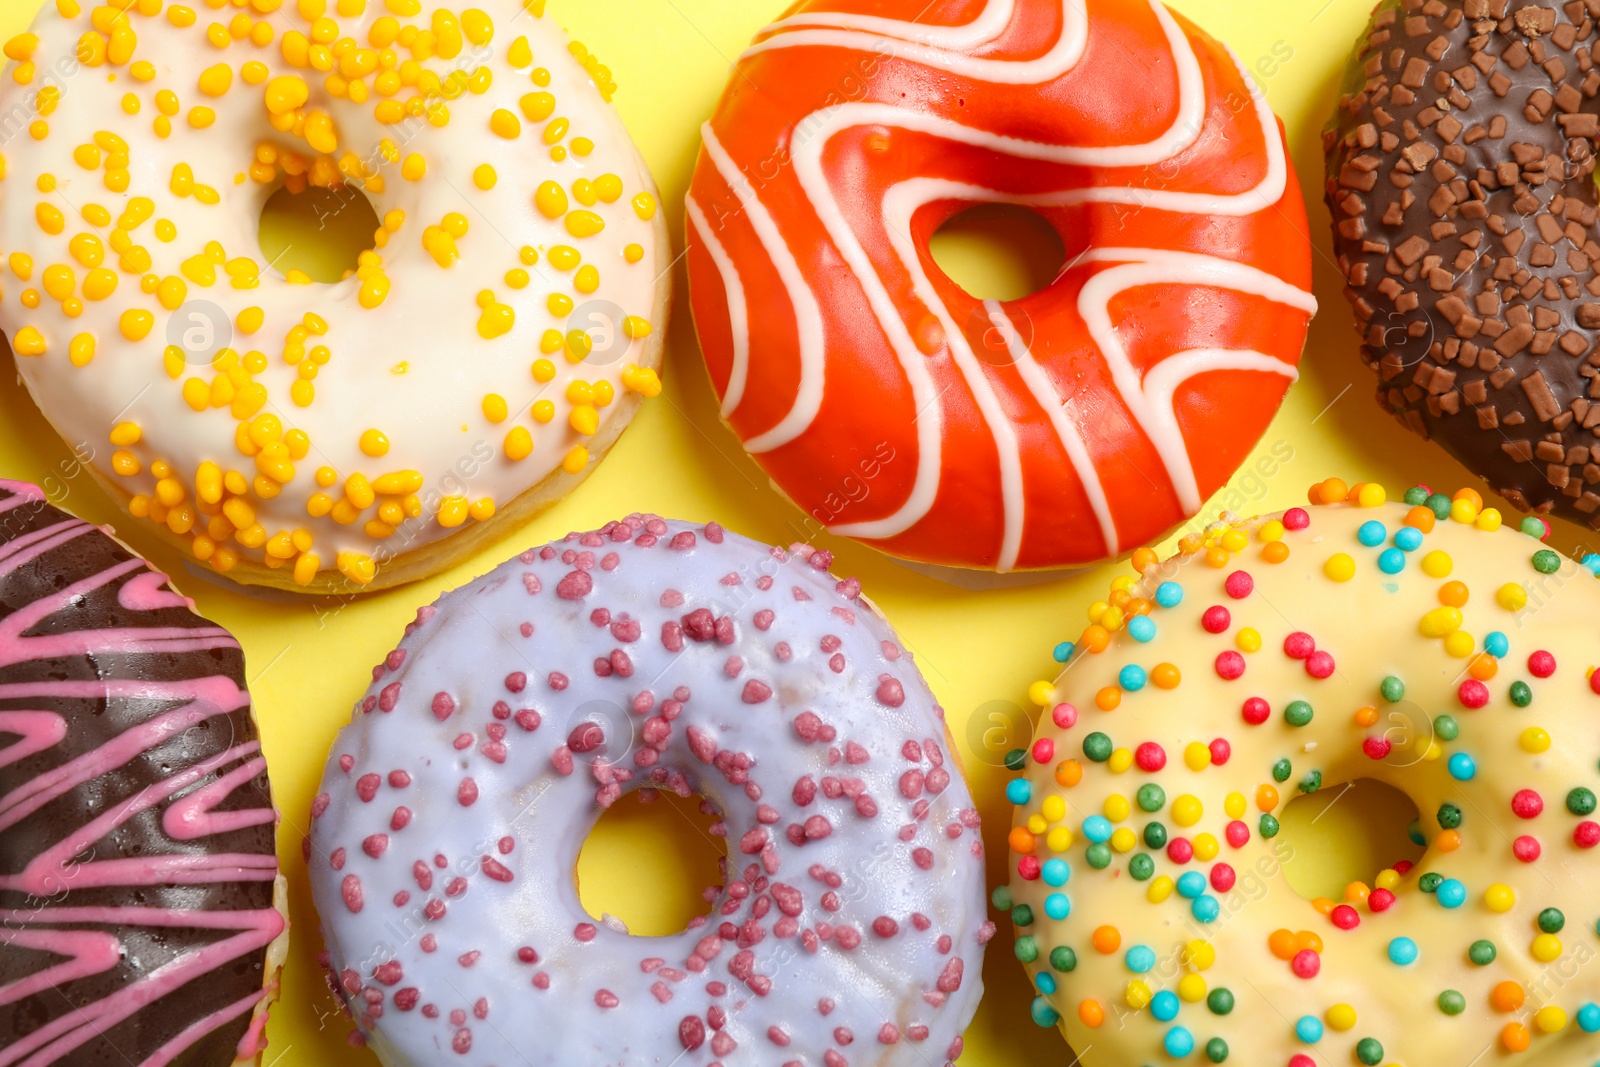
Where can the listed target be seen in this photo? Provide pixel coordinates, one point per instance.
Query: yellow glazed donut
(490, 346)
(1419, 644)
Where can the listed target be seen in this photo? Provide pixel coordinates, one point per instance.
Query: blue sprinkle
(1140, 959)
(1205, 908)
(1164, 1006)
(1057, 906)
(1064, 651)
(1451, 893)
(1308, 1029)
(1592, 561)
(1043, 1014)
(1131, 678)
(1462, 767)
(1372, 533)
(1097, 828)
(1498, 644)
(1141, 628)
(1019, 791)
(1179, 1042)
(1589, 1014)
(1046, 982)
(1408, 538)
(1170, 594)
(1391, 561)
(1191, 885)
(1055, 872)
(1403, 951)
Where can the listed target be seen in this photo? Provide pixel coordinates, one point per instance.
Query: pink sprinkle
(1216, 619)
(375, 845)
(516, 682)
(1306, 964)
(367, 787)
(605, 998)
(444, 706)
(1239, 584)
(890, 692)
(1526, 848)
(350, 889)
(1296, 519)
(467, 792)
(1473, 694)
(584, 932)
(462, 1041)
(575, 585)
(495, 869)
(1230, 665)
(756, 692)
(1541, 664)
(1065, 716)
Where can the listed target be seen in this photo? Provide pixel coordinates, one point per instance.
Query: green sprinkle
(1446, 728)
(1216, 1050)
(1027, 948)
(1155, 835)
(1220, 1001)
(1001, 898)
(1439, 504)
(1298, 713)
(1581, 801)
(1097, 746)
(1311, 782)
(1546, 561)
(1063, 958)
(1449, 816)
(1452, 1003)
(1551, 921)
(1533, 527)
(1016, 759)
(1521, 694)
(1151, 797)
(1141, 867)
(1429, 883)
(1269, 826)
(1281, 770)
(1416, 496)
(1482, 953)
(1369, 1051)
(1098, 855)
(1393, 689)
(1022, 915)
(1414, 832)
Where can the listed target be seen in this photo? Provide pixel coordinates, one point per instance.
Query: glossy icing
(1419, 644)
(654, 655)
(502, 326)
(137, 870)
(1155, 359)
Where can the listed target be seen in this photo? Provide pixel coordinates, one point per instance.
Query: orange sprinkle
(1069, 773)
(1329, 492)
(1470, 494)
(1095, 639)
(1354, 493)
(1516, 1037)
(1357, 893)
(1448, 841)
(1307, 939)
(1217, 557)
(1108, 698)
(1483, 666)
(1367, 716)
(1021, 841)
(1323, 905)
(1454, 594)
(1507, 997)
(1119, 598)
(1107, 939)
(1091, 1014)
(1267, 798)
(1282, 944)
(1138, 606)
(1144, 559)
(1422, 518)
(1165, 676)
(1275, 552)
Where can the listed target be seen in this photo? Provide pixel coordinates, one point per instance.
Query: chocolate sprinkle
(1461, 179)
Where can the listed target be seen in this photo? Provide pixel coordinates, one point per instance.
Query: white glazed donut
(851, 928)
(493, 343)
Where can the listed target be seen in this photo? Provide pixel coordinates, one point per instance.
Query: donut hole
(650, 862)
(1345, 833)
(998, 251)
(318, 232)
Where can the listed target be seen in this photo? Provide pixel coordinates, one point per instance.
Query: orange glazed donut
(1055, 430)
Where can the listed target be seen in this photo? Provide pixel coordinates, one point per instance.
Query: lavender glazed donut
(442, 850)
(140, 903)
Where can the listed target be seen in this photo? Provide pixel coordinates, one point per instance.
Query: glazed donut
(492, 344)
(142, 917)
(652, 655)
(1421, 645)
(1461, 180)
(1059, 429)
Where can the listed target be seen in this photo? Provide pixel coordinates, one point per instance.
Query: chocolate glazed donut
(140, 918)
(1461, 179)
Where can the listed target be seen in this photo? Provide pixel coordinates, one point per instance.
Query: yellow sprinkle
(518, 444)
(1437, 564)
(374, 443)
(576, 460)
(543, 411)
(496, 320)
(495, 408)
(543, 370)
(644, 205)
(414, 167)
(551, 200)
(537, 106)
(215, 81)
(136, 324)
(358, 568)
(519, 55)
(584, 420)
(484, 177)
(1512, 597)
(286, 93)
(28, 341)
(21, 46)
(398, 483)
(636, 327)
(1441, 622)
(483, 509)
(1341, 1017)
(505, 124)
(584, 223)
(50, 219)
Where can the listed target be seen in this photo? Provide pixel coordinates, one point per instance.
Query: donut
(651, 655)
(327, 437)
(1423, 645)
(1061, 429)
(142, 916)
(1461, 180)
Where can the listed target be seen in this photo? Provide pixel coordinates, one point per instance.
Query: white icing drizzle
(738, 310)
(807, 314)
(903, 201)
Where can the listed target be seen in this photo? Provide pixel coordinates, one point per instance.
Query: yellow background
(309, 661)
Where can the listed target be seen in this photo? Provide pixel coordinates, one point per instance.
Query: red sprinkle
(1150, 757)
(1377, 747)
(1296, 519)
(1216, 619)
(1473, 694)
(1065, 716)
(1299, 645)
(1320, 664)
(1345, 917)
(1256, 711)
(1179, 850)
(1044, 750)
(1527, 804)
(1028, 867)
(1230, 665)
(1223, 877)
(1380, 900)
(1541, 664)
(1526, 848)
(1238, 834)
(1587, 835)
(1221, 751)
(1306, 964)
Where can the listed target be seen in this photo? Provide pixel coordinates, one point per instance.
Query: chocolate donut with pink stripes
(141, 910)
(666, 656)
